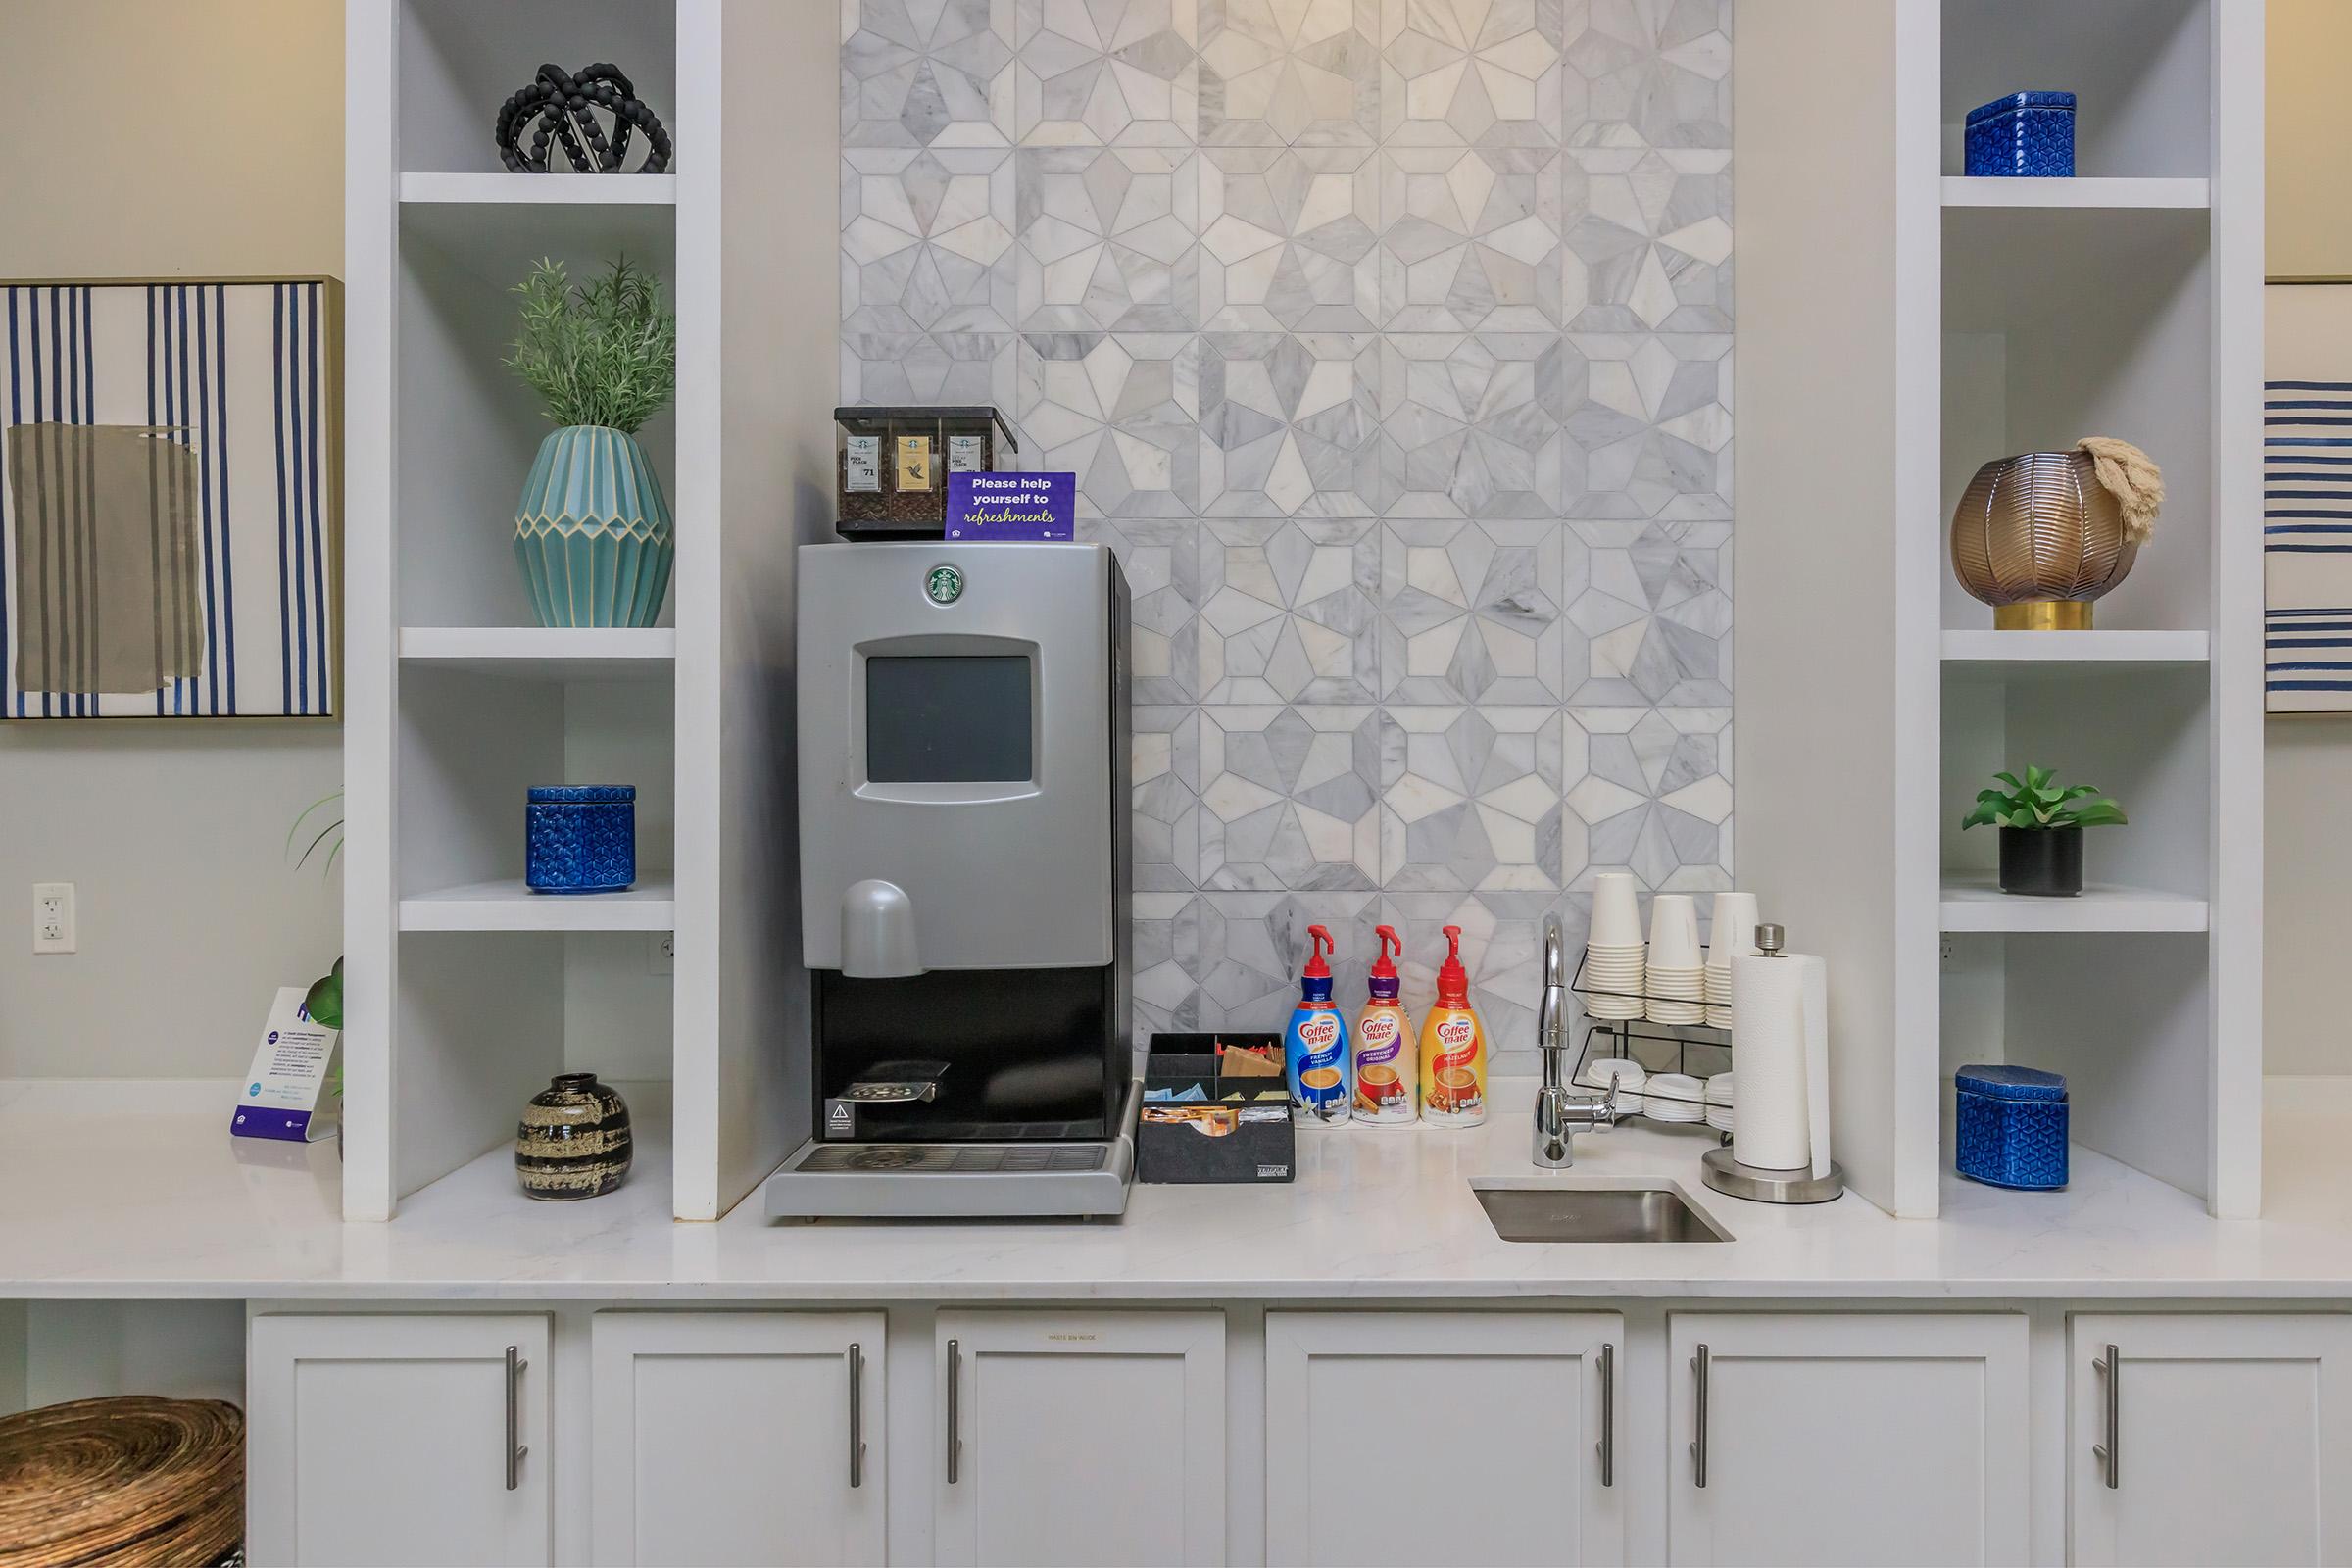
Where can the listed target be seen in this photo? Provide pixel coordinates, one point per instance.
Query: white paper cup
(1733, 929)
(1616, 912)
(1674, 932)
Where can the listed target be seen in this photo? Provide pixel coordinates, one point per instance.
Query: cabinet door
(2229, 1438)
(739, 1438)
(1081, 1438)
(1848, 1438)
(1442, 1437)
(398, 1440)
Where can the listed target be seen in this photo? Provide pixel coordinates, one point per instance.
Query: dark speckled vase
(575, 1139)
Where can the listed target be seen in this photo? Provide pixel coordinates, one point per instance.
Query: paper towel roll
(1780, 1035)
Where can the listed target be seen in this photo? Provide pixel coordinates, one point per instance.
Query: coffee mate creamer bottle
(1388, 1077)
(1314, 1048)
(1453, 1048)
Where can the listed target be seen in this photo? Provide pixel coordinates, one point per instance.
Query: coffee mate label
(1384, 1079)
(1453, 1071)
(1316, 1055)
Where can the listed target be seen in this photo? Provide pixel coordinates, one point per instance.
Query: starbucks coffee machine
(963, 819)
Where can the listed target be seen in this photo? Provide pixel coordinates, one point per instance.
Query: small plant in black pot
(2041, 830)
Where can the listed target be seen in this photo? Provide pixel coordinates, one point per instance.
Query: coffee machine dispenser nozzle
(877, 931)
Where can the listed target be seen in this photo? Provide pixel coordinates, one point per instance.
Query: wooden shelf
(2062, 651)
(1973, 902)
(510, 905)
(539, 190)
(545, 652)
(1965, 191)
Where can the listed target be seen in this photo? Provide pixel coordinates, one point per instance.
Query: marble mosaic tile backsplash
(1391, 343)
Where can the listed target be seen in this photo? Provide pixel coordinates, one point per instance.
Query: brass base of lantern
(2043, 614)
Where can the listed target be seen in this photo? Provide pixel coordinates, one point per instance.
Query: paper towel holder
(1756, 1182)
(1719, 1170)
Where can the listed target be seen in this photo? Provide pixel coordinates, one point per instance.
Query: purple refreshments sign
(1012, 505)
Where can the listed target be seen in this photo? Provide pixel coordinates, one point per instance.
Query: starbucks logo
(944, 585)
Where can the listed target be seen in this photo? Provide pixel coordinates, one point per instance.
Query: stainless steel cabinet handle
(2112, 1450)
(1609, 1415)
(1698, 1448)
(514, 1448)
(856, 1414)
(954, 1377)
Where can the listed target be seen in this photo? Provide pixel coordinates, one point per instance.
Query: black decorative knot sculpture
(556, 108)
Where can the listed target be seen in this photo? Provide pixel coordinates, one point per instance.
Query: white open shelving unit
(2126, 302)
(466, 990)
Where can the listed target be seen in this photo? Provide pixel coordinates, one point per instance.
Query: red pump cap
(1382, 979)
(1453, 981)
(1316, 968)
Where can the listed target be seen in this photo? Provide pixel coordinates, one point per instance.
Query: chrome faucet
(1559, 1113)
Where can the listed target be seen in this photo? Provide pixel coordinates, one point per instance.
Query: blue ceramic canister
(2010, 1127)
(2027, 134)
(582, 837)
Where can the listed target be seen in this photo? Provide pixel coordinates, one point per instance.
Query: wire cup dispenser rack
(1622, 1035)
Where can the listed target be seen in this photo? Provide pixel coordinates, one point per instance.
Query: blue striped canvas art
(171, 500)
(2307, 546)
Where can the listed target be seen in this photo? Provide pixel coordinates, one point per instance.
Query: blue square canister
(582, 837)
(2029, 134)
(2010, 1126)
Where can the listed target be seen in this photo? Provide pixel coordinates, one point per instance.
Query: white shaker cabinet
(415, 1439)
(751, 1438)
(1412, 1438)
(2213, 1439)
(1094, 1438)
(1827, 1438)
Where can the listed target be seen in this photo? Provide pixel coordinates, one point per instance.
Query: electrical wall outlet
(662, 953)
(53, 918)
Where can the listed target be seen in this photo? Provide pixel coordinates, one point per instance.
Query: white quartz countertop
(137, 1189)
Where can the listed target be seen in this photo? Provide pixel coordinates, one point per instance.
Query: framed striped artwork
(2307, 497)
(171, 499)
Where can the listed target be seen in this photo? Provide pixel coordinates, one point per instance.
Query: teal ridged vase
(593, 531)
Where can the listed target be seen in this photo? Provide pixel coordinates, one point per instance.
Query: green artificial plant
(2038, 803)
(601, 353)
(324, 1001)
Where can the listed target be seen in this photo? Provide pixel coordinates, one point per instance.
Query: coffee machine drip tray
(1030, 1179)
(956, 1156)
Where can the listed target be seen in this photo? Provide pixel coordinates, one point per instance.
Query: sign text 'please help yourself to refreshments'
(984, 507)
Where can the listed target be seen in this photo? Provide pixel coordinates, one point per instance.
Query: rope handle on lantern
(555, 108)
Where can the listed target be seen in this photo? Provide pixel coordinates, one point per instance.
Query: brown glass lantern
(2040, 535)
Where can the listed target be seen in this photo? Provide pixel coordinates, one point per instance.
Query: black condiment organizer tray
(1255, 1151)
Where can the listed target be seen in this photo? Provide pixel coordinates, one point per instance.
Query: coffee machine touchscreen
(940, 720)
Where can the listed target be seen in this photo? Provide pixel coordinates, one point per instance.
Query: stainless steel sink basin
(1548, 1211)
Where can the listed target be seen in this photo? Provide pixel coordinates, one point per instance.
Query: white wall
(1817, 396)
(164, 138)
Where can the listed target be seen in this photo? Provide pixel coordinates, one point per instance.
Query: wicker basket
(130, 1481)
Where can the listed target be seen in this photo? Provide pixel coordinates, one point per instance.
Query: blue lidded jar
(2010, 1127)
(582, 838)
(2023, 135)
